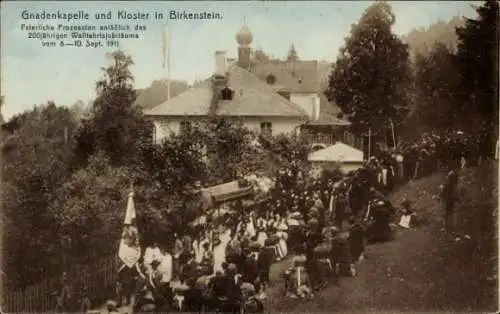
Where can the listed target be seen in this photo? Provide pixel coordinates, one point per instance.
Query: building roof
(299, 76)
(339, 152)
(252, 97)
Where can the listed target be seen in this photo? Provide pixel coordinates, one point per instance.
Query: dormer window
(271, 79)
(226, 93)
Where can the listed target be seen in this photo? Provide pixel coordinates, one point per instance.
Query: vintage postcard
(249, 157)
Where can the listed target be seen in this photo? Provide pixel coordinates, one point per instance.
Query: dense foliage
(436, 82)
(370, 78)
(67, 175)
(460, 89)
(478, 63)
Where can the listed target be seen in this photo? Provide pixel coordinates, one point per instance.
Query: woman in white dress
(261, 231)
(220, 249)
(282, 232)
(250, 228)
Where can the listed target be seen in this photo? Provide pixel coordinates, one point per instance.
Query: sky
(32, 74)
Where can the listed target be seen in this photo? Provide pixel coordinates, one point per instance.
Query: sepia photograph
(249, 157)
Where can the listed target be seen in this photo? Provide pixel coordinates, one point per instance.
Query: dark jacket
(266, 258)
(250, 269)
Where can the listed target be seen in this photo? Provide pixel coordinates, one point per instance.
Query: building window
(226, 93)
(266, 128)
(185, 127)
(271, 79)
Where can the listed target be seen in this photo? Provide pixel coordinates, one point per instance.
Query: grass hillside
(423, 269)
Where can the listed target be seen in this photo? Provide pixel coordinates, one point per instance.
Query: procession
(319, 226)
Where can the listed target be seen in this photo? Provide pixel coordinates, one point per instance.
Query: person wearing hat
(203, 294)
(233, 282)
(356, 239)
(251, 303)
(313, 239)
(219, 290)
(341, 256)
(340, 204)
(63, 293)
(177, 251)
(294, 228)
(264, 262)
(179, 298)
(335, 252)
(298, 278)
(323, 264)
(250, 269)
(111, 306)
(261, 230)
(85, 304)
(233, 249)
(190, 269)
(448, 198)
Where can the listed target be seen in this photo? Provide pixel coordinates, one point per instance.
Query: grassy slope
(423, 269)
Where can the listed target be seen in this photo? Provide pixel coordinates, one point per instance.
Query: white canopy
(339, 152)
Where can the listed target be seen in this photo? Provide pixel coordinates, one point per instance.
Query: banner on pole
(130, 250)
(166, 46)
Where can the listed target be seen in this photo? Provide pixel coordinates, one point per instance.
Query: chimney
(220, 63)
(315, 107)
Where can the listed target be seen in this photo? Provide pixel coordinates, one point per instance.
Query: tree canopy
(116, 125)
(372, 73)
(436, 84)
(478, 63)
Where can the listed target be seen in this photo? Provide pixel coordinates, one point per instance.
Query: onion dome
(244, 36)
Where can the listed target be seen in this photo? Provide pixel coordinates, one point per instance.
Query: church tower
(244, 39)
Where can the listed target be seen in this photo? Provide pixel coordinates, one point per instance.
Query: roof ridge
(271, 90)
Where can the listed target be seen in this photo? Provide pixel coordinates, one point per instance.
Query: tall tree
(370, 78)
(117, 126)
(478, 58)
(436, 82)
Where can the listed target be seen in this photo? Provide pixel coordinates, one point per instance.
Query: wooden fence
(98, 277)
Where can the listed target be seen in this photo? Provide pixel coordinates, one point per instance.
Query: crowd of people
(226, 267)
(323, 223)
